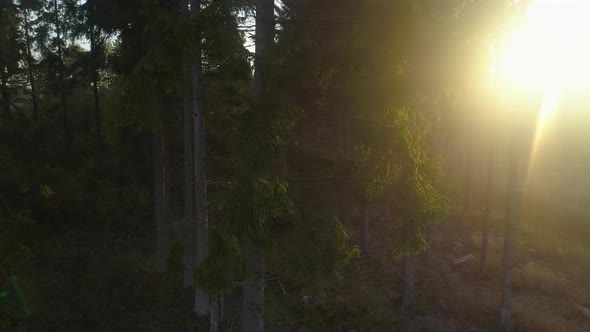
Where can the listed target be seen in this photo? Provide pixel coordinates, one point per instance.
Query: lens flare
(550, 46)
(548, 51)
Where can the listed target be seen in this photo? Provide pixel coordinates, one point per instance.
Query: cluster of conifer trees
(115, 113)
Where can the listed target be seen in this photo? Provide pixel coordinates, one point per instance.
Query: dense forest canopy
(294, 165)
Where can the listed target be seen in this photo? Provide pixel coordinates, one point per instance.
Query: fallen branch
(463, 259)
(231, 324)
(585, 311)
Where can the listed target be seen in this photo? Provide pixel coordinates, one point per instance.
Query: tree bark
(467, 201)
(95, 75)
(483, 267)
(214, 316)
(428, 239)
(253, 306)
(62, 92)
(408, 298)
(189, 220)
(30, 69)
(221, 308)
(365, 229)
(201, 236)
(159, 201)
(253, 319)
(5, 93)
(509, 230)
(264, 37)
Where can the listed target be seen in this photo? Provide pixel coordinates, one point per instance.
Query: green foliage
(18, 238)
(224, 268)
(172, 277)
(409, 175)
(170, 34)
(314, 251)
(223, 45)
(250, 203)
(95, 261)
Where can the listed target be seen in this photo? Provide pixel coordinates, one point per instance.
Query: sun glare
(551, 47)
(547, 51)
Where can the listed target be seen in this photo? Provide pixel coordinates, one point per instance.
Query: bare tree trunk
(253, 319)
(253, 306)
(428, 239)
(509, 230)
(159, 201)
(365, 228)
(387, 213)
(5, 93)
(264, 37)
(214, 316)
(30, 69)
(221, 308)
(467, 201)
(408, 298)
(483, 267)
(95, 75)
(62, 92)
(201, 237)
(189, 220)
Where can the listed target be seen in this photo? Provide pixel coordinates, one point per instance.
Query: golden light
(551, 47)
(548, 51)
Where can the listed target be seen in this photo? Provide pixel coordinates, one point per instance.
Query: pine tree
(60, 42)
(409, 174)
(189, 259)
(9, 54)
(27, 7)
(201, 240)
(253, 307)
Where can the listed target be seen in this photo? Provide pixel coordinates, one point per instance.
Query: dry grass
(534, 276)
(529, 317)
(577, 253)
(544, 296)
(466, 299)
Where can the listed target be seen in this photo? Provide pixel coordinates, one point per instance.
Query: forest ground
(550, 279)
(115, 287)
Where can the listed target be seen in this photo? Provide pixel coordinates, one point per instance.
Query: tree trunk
(30, 69)
(214, 316)
(5, 93)
(428, 239)
(62, 92)
(365, 229)
(509, 230)
(483, 267)
(159, 201)
(201, 236)
(408, 299)
(221, 308)
(253, 306)
(264, 37)
(253, 319)
(467, 201)
(189, 226)
(95, 76)
(387, 213)
(96, 106)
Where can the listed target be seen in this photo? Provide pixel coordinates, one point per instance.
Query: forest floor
(549, 280)
(88, 283)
